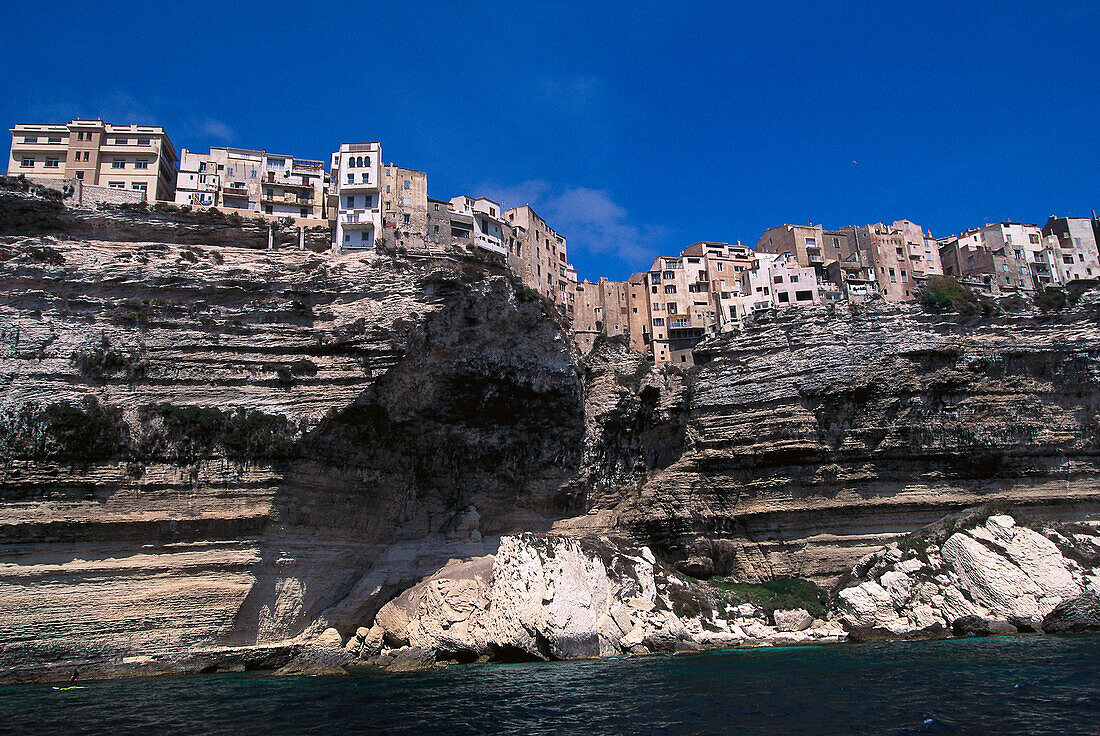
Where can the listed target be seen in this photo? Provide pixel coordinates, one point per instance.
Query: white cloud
(590, 219)
(217, 129)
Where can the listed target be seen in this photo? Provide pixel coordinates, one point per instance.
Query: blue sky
(634, 128)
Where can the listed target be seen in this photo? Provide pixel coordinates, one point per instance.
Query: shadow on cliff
(482, 412)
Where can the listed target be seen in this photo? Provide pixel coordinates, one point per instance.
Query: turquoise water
(1015, 685)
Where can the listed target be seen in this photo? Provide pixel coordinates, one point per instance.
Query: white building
(355, 183)
(489, 224)
(258, 181)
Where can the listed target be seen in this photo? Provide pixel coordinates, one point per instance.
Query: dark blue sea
(1015, 685)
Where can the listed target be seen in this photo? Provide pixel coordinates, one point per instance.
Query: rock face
(994, 577)
(1074, 616)
(815, 437)
(550, 597)
(207, 446)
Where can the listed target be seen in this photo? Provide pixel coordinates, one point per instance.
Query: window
(364, 236)
(803, 296)
(777, 279)
(144, 142)
(139, 186)
(655, 278)
(86, 155)
(670, 289)
(142, 163)
(406, 218)
(118, 163)
(670, 308)
(121, 141)
(1008, 238)
(893, 277)
(407, 184)
(27, 162)
(116, 184)
(30, 139)
(718, 266)
(1019, 254)
(276, 164)
(350, 202)
(351, 178)
(80, 175)
(669, 275)
(904, 277)
(54, 139)
(794, 278)
(654, 289)
(365, 177)
(658, 322)
(387, 189)
(437, 228)
(899, 251)
(51, 162)
(1033, 237)
(784, 297)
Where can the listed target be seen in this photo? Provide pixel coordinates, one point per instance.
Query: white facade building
(355, 182)
(489, 224)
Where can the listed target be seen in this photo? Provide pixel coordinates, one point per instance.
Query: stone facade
(1071, 244)
(542, 259)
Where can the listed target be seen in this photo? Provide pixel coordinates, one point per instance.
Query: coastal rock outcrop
(978, 576)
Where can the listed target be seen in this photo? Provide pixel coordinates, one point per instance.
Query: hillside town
(708, 287)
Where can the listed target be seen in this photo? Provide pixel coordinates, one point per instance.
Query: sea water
(1010, 685)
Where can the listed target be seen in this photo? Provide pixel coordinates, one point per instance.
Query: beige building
(540, 258)
(355, 193)
(600, 309)
(257, 181)
(901, 254)
(1071, 246)
(1005, 256)
(405, 221)
(137, 158)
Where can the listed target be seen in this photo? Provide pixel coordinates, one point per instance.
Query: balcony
(490, 244)
(308, 167)
(358, 217)
(235, 192)
(346, 186)
(286, 199)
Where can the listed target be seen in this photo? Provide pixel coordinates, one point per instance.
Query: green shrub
(776, 595)
(1050, 299)
(942, 293)
(63, 431)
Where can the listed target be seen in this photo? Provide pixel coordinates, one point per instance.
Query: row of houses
(709, 287)
(712, 287)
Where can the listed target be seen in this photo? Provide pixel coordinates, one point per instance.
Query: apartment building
(489, 226)
(405, 218)
(355, 194)
(1071, 246)
(138, 158)
(719, 266)
(901, 254)
(809, 245)
(600, 308)
(540, 257)
(257, 181)
(1005, 256)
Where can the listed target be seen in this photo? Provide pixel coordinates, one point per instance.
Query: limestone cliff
(815, 437)
(205, 446)
(212, 446)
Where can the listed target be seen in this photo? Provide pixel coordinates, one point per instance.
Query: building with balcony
(1004, 256)
(356, 180)
(901, 254)
(257, 181)
(488, 220)
(1071, 245)
(137, 158)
